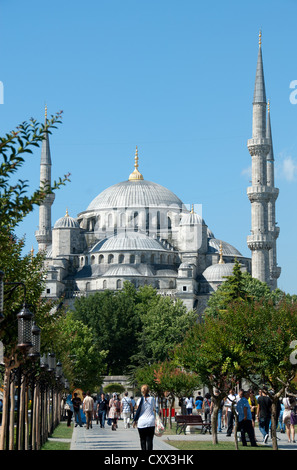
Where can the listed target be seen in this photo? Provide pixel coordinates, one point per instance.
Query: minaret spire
(260, 240)
(44, 233)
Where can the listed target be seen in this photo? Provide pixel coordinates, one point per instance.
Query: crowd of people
(250, 409)
(109, 409)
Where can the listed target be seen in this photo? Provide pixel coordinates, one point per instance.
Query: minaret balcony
(258, 146)
(260, 241)
(261, 193)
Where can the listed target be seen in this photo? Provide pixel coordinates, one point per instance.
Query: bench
(182, 421)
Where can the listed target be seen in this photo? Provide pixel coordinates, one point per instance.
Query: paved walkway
(97, 438)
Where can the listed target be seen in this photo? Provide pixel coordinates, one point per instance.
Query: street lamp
(35, 350)
(58, 370)
(51, 362)
(25, 319)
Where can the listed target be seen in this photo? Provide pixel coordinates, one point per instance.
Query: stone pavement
(97, 438)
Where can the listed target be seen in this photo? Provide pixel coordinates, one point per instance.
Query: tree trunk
(214, 422)
(5, 413)
(11, 417)
(274, 423)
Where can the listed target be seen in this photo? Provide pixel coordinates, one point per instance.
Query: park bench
(183, 421)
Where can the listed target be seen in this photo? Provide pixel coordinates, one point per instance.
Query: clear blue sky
(176, 79)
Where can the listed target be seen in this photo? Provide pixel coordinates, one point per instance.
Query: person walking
(264, 413)
(245, 423)
(207, 407)
(198, 403)
(113, 411)
(76, 402)
(230, 404)
(102, 409)
(145, 419)
(126, 410)
(88, 409)
(289, 404)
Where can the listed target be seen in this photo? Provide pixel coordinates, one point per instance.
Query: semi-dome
(228, 250)
(121, 270)
(66, 222)
(128, 241)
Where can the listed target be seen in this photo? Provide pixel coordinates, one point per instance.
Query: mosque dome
(138, 193)
(135, 192)
(228, 250)
(191, 218)
(218, 272)
(66, 222)
(128, 241)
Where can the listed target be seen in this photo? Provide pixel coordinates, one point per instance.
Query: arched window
(110, 259)
(132, 259)
(104, 284)
(152, 259)
(101, 259)
(109, 220)
(92, 259)
(119, 284)
(121, 259)
(142, 258)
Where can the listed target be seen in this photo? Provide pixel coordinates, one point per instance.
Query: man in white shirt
(231, 400)
(88, 408)
(126, 409)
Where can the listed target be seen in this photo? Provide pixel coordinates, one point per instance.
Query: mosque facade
(140, 231)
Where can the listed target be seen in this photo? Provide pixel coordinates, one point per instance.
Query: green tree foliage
(241, 286)
(15, 203)
(75, 346)
(136, 326)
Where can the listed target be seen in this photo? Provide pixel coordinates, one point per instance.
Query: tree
(114, 321)
(241, 286)
(15, 204)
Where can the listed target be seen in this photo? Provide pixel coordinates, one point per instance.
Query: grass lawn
(202, 445)
(61, 432)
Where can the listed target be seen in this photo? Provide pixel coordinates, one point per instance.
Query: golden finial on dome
(260, 37)
(221, 261)
(45, 112)
(67, 215)
(268, 106)
(192, 209)
(32, 251)
(136, 175)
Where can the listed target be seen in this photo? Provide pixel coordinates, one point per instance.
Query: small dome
(217, 272)
(128, 241)
(66, 222)
(191, 218)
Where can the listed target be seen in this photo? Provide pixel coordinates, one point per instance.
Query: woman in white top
(289, 403)
(145, 418)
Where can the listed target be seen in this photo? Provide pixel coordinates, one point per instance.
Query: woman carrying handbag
(145, 419)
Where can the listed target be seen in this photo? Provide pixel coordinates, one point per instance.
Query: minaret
(44, 233)
(274, 230)
(260, 240)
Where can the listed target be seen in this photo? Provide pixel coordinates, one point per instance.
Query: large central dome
(135, 193)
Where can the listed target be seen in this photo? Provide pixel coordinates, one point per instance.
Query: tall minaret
(260, 241)
(274, 230)
(44, 233)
